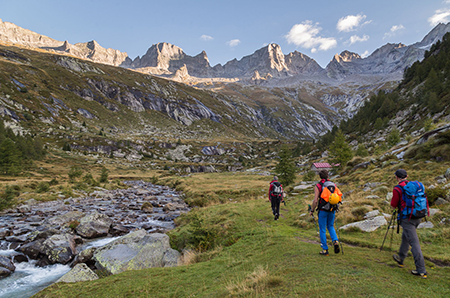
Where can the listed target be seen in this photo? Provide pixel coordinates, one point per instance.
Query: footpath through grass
(261, 257)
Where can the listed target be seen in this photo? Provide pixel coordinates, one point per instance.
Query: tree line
(18, 151)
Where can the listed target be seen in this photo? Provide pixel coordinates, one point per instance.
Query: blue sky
(232, 29)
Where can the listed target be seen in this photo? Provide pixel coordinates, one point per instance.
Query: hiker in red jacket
(409, 225)
(275, 196)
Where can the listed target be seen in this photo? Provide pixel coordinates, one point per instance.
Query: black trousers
(275, 204)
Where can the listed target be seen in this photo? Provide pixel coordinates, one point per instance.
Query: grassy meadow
(233, 247)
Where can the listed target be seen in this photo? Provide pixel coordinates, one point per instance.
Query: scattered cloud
(366, 53)
(350, 23)
(356, 38)
(394, 29)
(305, 35)
(234, 42)
(440, 16)
(206, 37)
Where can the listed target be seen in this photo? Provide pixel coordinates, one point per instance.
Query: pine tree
(9, 158)
(285, 169)
(340, 151)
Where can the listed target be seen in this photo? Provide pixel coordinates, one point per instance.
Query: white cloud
(206, 37)
(356, 38)
(233, 42)
(350, 23)
(393, 30)
(305, 35)
(365, 54)
(440, 16)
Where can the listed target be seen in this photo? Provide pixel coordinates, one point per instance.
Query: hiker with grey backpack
(275, 196)
(410, 199)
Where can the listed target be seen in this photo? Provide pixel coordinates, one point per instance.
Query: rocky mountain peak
(347, 56)
(433, 36)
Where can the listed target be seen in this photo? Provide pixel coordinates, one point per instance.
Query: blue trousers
(326, 221)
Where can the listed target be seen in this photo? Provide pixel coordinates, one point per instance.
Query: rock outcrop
(137, 250)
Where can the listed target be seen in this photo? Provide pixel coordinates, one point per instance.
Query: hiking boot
(276, 216)
(397, 259)
(324, 252)
(336, 247)
(422, 275)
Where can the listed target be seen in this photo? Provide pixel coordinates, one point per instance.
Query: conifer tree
(9, 158)
(340, 151)
(285, 169)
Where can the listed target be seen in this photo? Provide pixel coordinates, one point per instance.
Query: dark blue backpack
(413, 194)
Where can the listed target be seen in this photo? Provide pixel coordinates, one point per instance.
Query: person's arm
(395, 201)
(315, 201)
(270, 189)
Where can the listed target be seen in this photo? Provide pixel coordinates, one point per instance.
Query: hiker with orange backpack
(411, 201)
(326, 198)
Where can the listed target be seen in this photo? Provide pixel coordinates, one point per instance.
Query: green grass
(269, 258)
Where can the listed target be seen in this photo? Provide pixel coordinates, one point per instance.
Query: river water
(28, 279)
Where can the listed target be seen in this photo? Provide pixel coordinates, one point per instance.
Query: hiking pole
(389, 226)
(314, 220)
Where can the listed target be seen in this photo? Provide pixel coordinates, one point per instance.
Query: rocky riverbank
(58, 232)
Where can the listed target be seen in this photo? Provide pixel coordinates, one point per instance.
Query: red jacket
(397, 195)
(271, 186)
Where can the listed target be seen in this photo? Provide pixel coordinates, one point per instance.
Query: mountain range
(268, 92)
(267, 65)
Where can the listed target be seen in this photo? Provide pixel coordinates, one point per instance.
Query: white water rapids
(29, 279)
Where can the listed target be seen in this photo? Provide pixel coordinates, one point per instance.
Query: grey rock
(59, 248)
(134, 251)
(33, 249)
(94, 225)
(440, 201)
(7, 263)
(368, 225)
(63, 219)
(426, 225)
(371, 214)
(447, 173)
(24, 209)
(4, 272)
(433, 211)
(372, 197)
(81, 272)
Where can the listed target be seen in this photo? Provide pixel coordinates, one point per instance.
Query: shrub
(53, 182)
(104, 175)
(154, 179)
(362, 151)
(74, 172)
(74, 224)
(42, 187)
(309, 176)
(6, 198)
(89, 180)
(434, 193)
(359, 212)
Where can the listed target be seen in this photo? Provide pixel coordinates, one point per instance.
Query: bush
(6, 198)
(434, 193)
(74, 224)
(74, 172)
(359, 212)
(89, 180)
(309, 176)
(42, 187)
(104, 175)
(53, 182)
